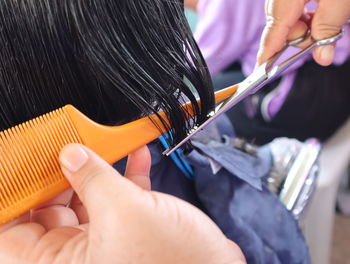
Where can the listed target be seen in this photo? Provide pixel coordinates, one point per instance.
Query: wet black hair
(115, 60)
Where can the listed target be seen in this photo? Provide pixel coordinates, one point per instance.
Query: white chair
(318, 219)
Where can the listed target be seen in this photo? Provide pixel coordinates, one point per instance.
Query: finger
(19, 220)
(297, 31)
(61, 199)
(51, 244)
(82, 227)
(19, 241)
(100, 188)
(138, 168)
(79, 209)
(281, 16)
(307, 18)
(55, 217)
(237, 251)
(328, 20)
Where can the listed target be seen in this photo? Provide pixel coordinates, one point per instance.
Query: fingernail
(327, 54)
(73, 158)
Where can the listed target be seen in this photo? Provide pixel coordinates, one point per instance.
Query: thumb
(94, 180)
(328, 20)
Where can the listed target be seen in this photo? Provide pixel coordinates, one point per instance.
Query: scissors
(263, 75)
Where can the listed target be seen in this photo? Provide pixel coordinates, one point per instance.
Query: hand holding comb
(29, 170)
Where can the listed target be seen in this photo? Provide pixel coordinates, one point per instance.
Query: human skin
(191, 4)
(287, 20)
(114, 219)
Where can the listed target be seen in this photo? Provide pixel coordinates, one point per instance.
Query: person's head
(115, 60)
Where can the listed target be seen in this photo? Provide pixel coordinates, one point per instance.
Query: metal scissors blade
(263, 75)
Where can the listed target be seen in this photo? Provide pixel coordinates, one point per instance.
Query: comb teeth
(29, 170)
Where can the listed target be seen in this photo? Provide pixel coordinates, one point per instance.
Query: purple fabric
(229, 31)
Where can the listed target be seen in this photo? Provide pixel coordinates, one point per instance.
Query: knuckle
(324, 30)
(92, 175)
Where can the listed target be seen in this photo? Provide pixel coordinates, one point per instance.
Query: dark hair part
(115, 60)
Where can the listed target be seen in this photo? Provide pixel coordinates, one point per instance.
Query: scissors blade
(266, 73)
(249, 86)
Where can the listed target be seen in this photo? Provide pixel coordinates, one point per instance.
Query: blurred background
(326, 221)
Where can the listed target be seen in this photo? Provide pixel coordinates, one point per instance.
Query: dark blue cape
(235, 197)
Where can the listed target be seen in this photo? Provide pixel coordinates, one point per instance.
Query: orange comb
(29, 170)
